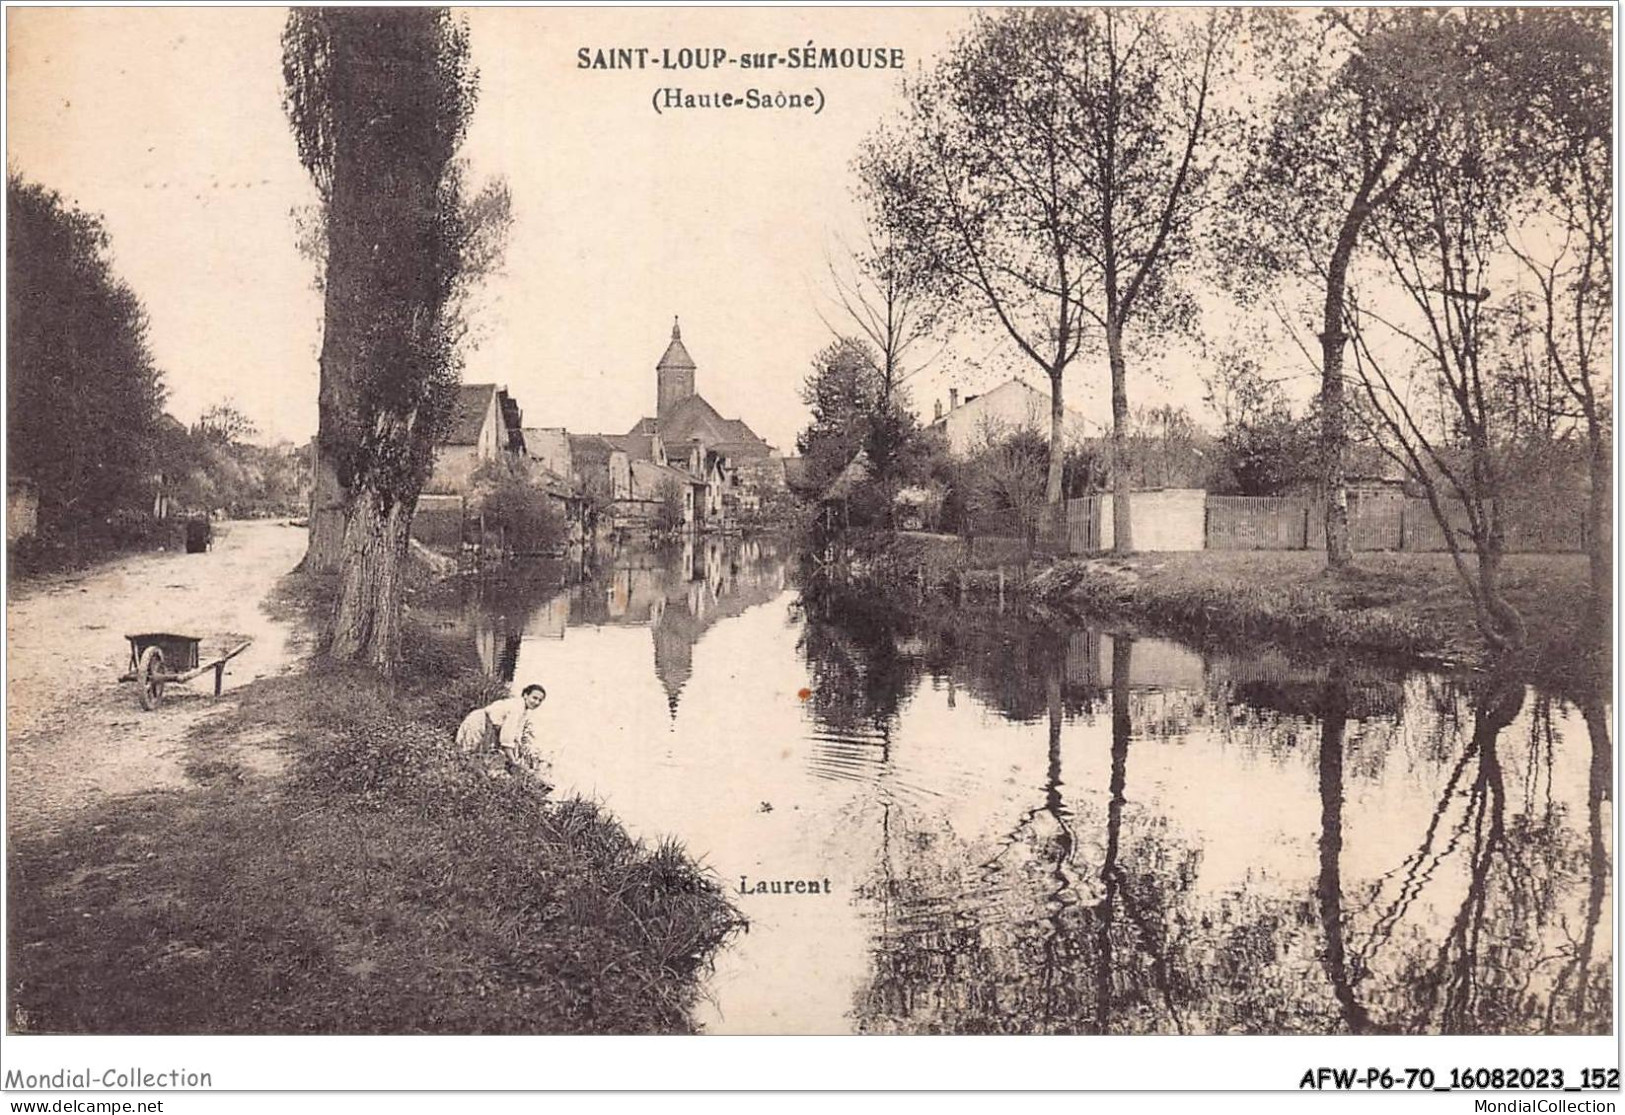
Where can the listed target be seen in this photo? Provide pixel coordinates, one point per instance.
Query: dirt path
(75, 736)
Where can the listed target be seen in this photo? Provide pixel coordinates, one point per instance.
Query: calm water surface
(1026, 828)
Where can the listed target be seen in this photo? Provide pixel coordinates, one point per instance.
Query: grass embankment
(1410, 607)
(339, 868)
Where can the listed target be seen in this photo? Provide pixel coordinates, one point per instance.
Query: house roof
(1015, 385)
(588, 449)
(855, 473)
(648, 478)
(677, 356)
(639, 447)
(513, 420)
(468, 411)
(553, 484)
(744, 450)
(693, 417)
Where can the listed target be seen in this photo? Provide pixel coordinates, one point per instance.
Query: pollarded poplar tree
(975, 184)
(379, 100)
(1357, 110)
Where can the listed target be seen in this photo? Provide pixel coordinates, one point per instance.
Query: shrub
(525, 515)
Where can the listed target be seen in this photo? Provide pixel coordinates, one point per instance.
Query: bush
(525, 515)
(669, 518)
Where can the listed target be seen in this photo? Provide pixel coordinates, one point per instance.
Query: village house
(485, 429)
(548, 448)
(1013, 405)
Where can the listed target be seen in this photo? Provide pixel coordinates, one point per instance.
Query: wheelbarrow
(158, 659)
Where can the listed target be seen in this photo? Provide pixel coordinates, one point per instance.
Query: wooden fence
(1385, 523)
(1257, 523)
(1083, 529)
(1376, 522)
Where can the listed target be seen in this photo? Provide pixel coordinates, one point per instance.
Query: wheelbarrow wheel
(149, 677)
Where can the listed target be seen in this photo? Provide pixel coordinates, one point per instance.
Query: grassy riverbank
(1409, 607)
(334, 866)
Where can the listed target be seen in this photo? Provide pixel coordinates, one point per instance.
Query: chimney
(938, 415)
(953, 398)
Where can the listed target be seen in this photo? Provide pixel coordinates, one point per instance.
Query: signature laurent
(783, 886)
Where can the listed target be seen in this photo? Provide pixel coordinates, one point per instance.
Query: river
(980, 823)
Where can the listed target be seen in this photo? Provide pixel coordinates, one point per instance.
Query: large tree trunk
(343, 290)
(1504, 628)
(1333, 439)
(1122, 521)
(328, 505)
(367, 622)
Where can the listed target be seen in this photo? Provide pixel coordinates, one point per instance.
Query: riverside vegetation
(360, 876)
(1405, 607)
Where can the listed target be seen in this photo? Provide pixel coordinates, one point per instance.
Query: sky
(169, 123)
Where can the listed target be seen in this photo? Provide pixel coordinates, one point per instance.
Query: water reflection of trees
(1038, 935)
(860, 662)
(1087, 915)
(1463, 935)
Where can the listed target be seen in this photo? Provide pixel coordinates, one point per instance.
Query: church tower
(675, 374)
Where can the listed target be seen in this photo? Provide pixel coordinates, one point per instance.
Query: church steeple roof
(677, 356)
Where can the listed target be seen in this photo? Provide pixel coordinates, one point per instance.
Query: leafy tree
(853, 412)
(1052, 168)
(1265, 449)
(843, 390)
(669, 518)
(224, 424)
(83, 395)
(1268, 455)
(1140, 120)
(1164, 449)
(1004, 482)
(523, 512)
(1566, 323)
(379, 100)
(977, 184)
(1359, 108)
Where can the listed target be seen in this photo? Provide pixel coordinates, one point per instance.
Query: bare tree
(1440, 240)
(1564, 242)
(975, 182)
(1358, 107)
(890, 297)
(1139, 121)
(893, 301)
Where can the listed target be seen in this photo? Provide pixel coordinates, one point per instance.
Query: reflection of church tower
(674, 636)
(675, 374)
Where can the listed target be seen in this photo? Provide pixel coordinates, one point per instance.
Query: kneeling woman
(505, 726)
